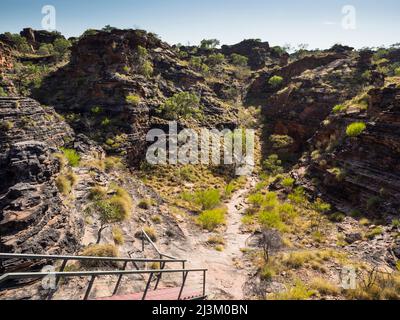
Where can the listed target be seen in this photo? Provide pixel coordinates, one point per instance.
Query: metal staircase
(130, 266)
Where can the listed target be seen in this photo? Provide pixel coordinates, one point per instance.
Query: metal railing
(156, 275)
(163, 262)
(146, 237)
(94, 274)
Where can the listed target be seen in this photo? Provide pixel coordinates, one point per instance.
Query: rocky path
(227, 271)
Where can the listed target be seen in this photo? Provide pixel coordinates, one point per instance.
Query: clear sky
(315, 22)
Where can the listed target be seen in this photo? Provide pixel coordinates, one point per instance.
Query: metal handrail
(66, 259)
(147, 237)
(94, 274)
(82, 258)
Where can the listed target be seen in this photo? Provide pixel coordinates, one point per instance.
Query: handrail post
(162, 266)
(185, 274)
(89, 288)
(62, 268)
(119, 279)
(183, 268)
(147, 286)
(204, 282)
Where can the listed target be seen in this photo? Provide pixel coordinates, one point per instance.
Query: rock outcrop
(311, 88)
(107, 67)
(361, 172)
(38, 37)
(33, 218)
(259, 53)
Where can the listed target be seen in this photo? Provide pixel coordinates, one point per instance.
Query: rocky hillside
(360, 172)
(74, 115)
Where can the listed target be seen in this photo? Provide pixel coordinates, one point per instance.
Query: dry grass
(118, 236)
(324, 287)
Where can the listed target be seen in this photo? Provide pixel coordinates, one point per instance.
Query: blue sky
(316, 22)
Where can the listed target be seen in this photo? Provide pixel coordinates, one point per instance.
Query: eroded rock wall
(33, 218)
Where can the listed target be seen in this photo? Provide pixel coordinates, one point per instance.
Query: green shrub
(182, 105)
(298, 196)
(280, 141)
(321, 206)
(207, 199)
(211, 219)
(267, 273)
(46, 49)
(147, 69)
(256, 200)
(339, 108)
(215, 59)
(396, 223)
(72, 156)
(6, 125)
(142, 52)
(355, 129)
(106, 122)
(366, 76)
(133, 99)
(61, 46)
(374, 233)
(3, 93)
(273, 165)
(373, 202)
(275, 81)
(271, 219)
(288, 182)
(239, 60)
(96, 110)
(397, 72)
(116, 209)
(198, 64)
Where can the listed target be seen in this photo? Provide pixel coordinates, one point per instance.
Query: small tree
(271, 242)
(273, 165)
(181, 106)
(61, 47)
(209, 44)
(108, 28)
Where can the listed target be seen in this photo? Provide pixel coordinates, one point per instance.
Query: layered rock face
(259, 53)
(361, 172)
(6, 63)
(33, 218)
(311, 88)
(37, 37)
(107, 67)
